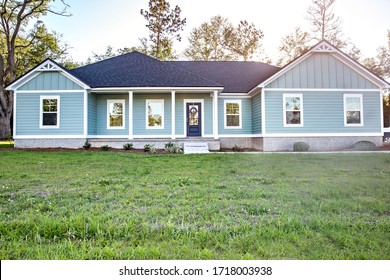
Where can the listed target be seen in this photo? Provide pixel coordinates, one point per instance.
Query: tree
(207, 42)
(326, 26)
(16, 43)
(244, 40)
(293, 45)
(164, 25)
(380, 65)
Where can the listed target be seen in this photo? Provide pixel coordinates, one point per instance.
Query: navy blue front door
(194, 119)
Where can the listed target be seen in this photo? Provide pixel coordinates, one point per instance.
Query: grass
(6, 144)
(108, 205)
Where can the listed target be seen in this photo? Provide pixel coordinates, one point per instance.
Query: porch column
(85, 113)
(215, 115)
(130, 115)
(173, 109)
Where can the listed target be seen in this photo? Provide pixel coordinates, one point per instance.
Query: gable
(50, 80)
(322, 70)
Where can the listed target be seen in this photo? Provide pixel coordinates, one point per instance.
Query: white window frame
(300, 96)
(353, 95)
(42, 97)
(111, 101)
(239, 113)
(147, 113)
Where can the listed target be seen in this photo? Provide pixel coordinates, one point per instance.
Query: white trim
(131, 100)
(25, 80)
(239, 114)
(60, 136)
(349, 95)
(300, 96)
(234, 95)
(386, 129)
(41, 97)
(215, 115)
(158, 89)
(14, 116)
(323, 89)
(262, 111)
(52, 91)
(185, 101)
(108, 136)
(381, 111)
(147, 113)
(165, 136)
(173, 113)
(110, 101)
(240, 135)
(85, 113)
(289, 135)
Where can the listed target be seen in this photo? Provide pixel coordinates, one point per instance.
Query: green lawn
(6, 143)
(110, 205)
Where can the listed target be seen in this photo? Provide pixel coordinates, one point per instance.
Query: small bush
(150, 148)
(173, 148)
(105, 148)
(87, 145)
(169, 145)
(128, 146)
(364, 146)
(301, 147)
(237, 148)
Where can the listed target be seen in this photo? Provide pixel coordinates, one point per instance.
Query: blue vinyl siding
(323, 112)
(101, 114)
(321, 71)
(139, 113)
(207, 112)
(92, 114)
(256, 114)
(246, 111)
(50, 81)
(71, 114)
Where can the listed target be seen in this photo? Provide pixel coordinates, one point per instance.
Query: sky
(94, 24)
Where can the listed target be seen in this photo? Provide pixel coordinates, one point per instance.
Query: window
(155, 113)
(293, 110)
(353, 110)
(50, 108)
(115, 114)
(232, 114)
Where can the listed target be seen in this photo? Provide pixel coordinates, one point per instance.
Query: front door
(194, 119)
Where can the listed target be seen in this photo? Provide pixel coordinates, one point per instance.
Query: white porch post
(85, 113)
(130, 115)
(173, 109)
(215, 115)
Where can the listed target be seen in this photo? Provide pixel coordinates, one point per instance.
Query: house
(324, 98)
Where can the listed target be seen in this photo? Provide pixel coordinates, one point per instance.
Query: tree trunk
(5, 127)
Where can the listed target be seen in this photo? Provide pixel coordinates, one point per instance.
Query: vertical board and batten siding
(101, 114)
(323, 112)
(256, 114)
(50, 81)
(207, 112)
(139, 114)
(92, 114)
(321, 70)
(71, 116)
(246, 118)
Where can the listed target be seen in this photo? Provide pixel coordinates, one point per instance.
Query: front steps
(196, 147)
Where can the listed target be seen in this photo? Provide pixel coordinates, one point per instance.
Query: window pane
(353, 103)
(293, 117)
(49, 119)
(353, 117)
(49, 105)
(154, 120)
(116, 120)
(116, 108)
(155, 111)
(232, 120)
(293, 103)
(232, 108)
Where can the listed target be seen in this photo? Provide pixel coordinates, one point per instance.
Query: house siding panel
(321, 70)
(246, 111)
(92, 114)
(50, 81)
(71, 114)
(323, 112)
(256, 114)
(101, 114)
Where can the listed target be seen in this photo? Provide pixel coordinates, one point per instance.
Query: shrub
(87, 145)
(173, 148)
(364, 146)
(169, 145)
(150, 148)
(128, 146)
(237, 148)
(105, 148)
(301, 146)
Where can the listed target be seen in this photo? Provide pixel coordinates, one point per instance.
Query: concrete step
(196, 147)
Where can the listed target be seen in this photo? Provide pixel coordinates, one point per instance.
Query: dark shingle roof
(236, 76)
(138, 70)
